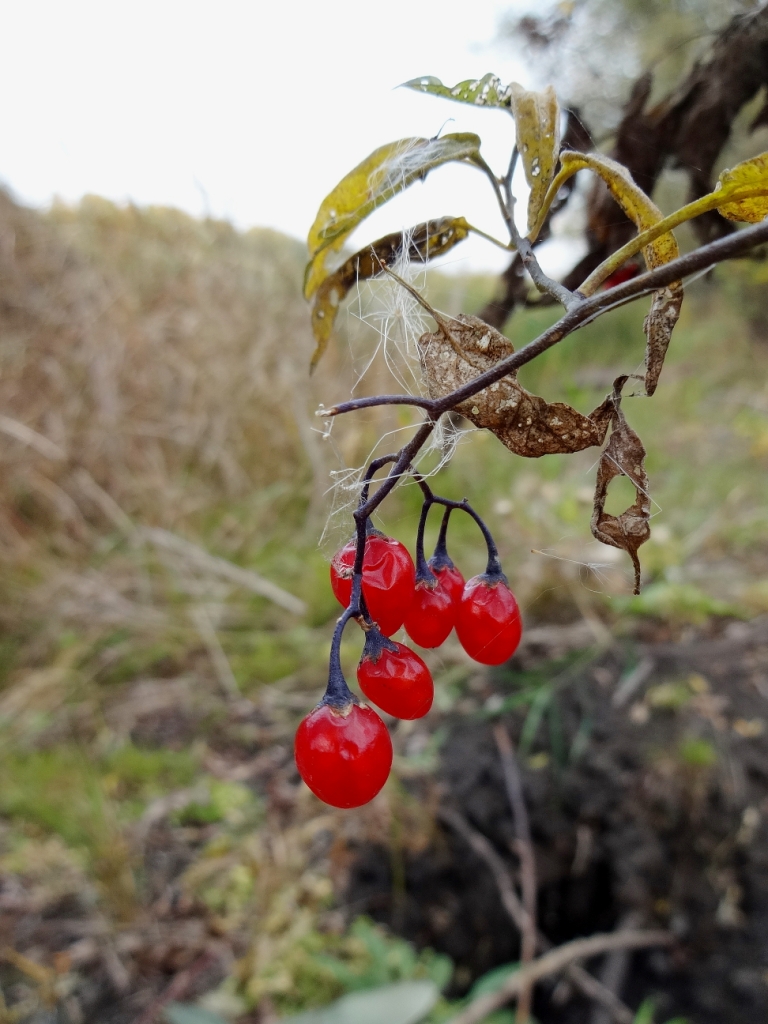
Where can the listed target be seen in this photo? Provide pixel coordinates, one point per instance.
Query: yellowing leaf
(737, 196)
(640, 209)
(644, 213)
(537, 121)
(750, 180)
(428, 240)
(382, 175)
(480, 92)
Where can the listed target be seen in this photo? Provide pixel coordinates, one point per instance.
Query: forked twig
(524, 849)
(557, 960)
(575, 317)
(583, 980)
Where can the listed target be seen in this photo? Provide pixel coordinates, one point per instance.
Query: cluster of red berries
(343, 749)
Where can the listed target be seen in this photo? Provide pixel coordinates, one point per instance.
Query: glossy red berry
(388, 580)
(396, 680)
(432, 614)
(343, 754)
(488, 622)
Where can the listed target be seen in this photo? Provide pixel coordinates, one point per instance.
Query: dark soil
(656, 812)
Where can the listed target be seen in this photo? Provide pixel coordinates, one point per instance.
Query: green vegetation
(189, 409)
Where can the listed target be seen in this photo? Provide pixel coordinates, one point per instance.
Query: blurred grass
(165, 359)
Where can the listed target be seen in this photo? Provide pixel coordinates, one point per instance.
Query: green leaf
(537, 123)
(427, 240)
(387, 171)
(749, 178)
(480, 92)
(407, 1002)
(492, 981)
(644, 1014)
(187, 1013)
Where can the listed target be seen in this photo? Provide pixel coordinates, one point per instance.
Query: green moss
(669, 696)
(697, 752)
(230, 802)
(319, 967)
(86, 800)
(146, 773)
(678, 602)
(58, 790)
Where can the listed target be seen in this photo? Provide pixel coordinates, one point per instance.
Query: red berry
(396, 680)
(625, 273)
(343, 754)
(388, 580)
(432, 614)
(488, 623)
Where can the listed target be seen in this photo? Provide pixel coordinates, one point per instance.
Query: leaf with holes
(480, 92)
(537, 123)
(465, 347)
(624, 455)
(387, 171)
(750, 180)
(426, 241)
(644, 213)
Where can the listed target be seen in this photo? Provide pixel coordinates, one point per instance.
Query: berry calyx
(388, 579)
(395, 678)
(488, 622)
(432, 614)
(343, 753)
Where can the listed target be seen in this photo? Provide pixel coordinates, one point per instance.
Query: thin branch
(507, 183)
(506, 210)
(708, 255)
(374, 400)
(544, 284)
(601, 994)
(406, 456)
(733, 245)
(553, 962)
(613, 970)
(582, 979)
(524, 849)
(485, 851)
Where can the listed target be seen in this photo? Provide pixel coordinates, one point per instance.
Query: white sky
(248, 109)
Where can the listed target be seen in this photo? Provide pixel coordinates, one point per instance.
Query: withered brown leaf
(658, 327)
(624, 455)
(465, 347)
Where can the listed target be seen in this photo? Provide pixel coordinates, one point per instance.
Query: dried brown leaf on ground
(624, 455)
(465, 347)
